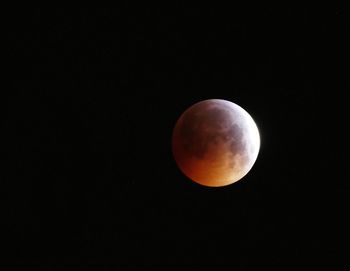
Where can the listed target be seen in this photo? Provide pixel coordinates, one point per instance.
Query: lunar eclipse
(215, 142)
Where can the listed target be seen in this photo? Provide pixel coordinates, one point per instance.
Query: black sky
(89, 177)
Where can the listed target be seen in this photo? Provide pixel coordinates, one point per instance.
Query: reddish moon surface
(215, 142)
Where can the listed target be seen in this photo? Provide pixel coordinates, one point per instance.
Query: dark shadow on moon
(208, 125)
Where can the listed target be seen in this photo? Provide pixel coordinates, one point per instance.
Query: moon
(215, 142)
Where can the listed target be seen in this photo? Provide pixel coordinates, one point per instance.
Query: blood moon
(215, 142)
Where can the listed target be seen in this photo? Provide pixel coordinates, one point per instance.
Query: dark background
(89, 176)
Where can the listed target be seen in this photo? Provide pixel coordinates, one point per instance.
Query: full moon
(215, 142)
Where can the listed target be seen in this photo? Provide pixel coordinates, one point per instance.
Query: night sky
(89, 177)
